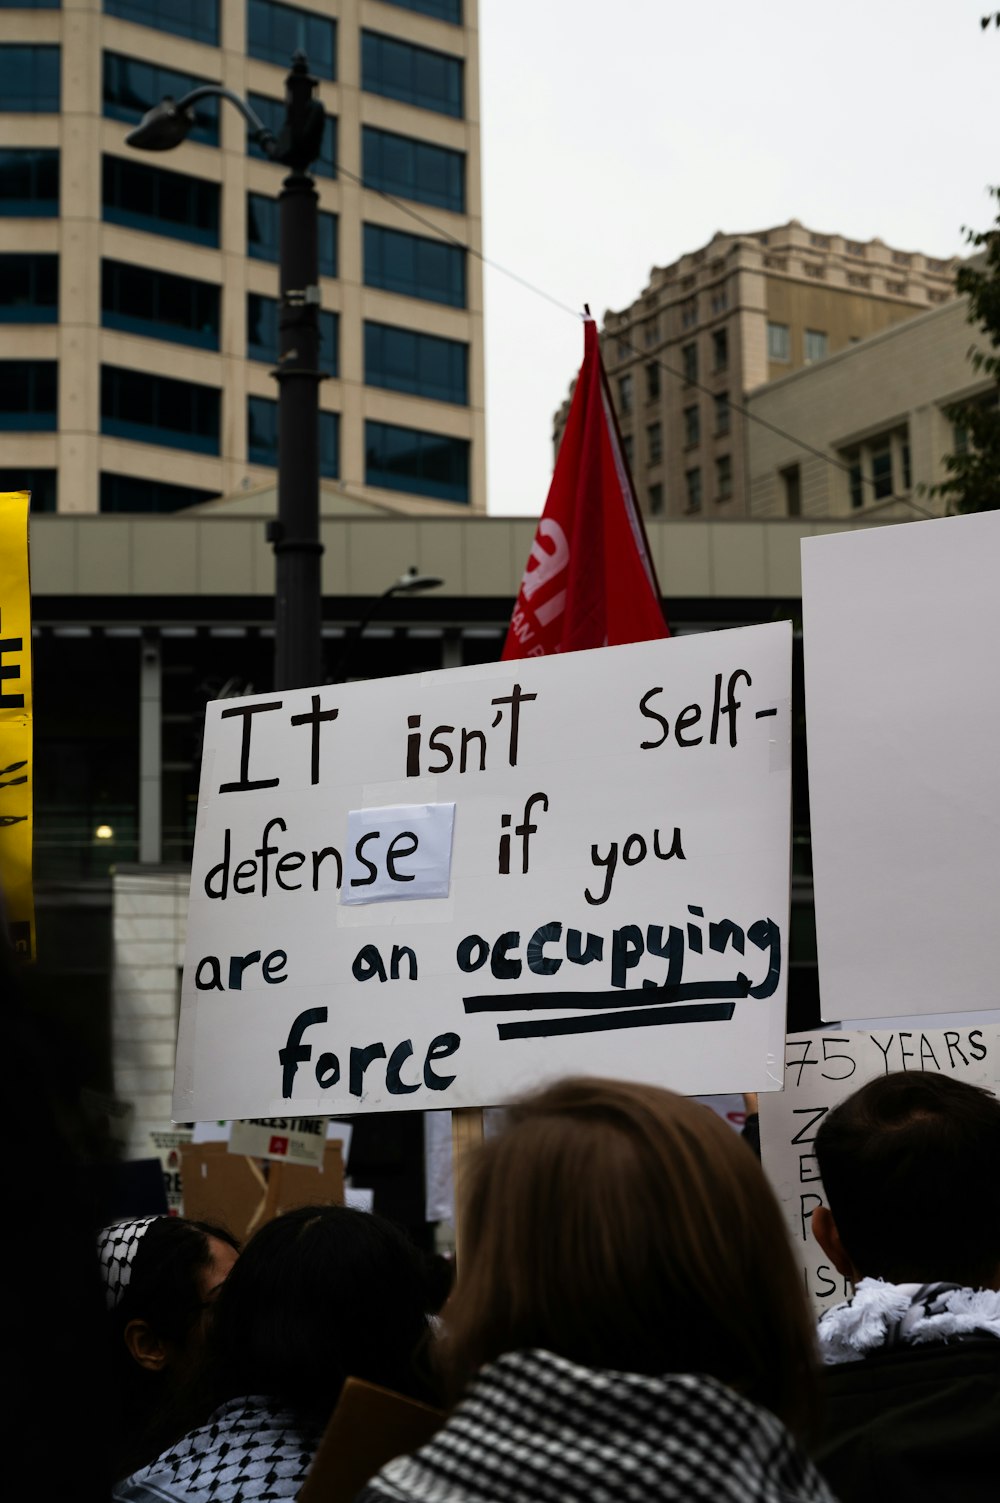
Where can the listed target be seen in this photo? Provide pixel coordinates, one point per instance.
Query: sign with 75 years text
(444, 889)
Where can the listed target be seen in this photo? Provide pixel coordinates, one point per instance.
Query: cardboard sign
(287, 1139)
(231, 1190)
(617, 897)
(900, 629)
(370, 1427)
(16, 894)
(821, 1069)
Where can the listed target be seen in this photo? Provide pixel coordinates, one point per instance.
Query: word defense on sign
(442, 890)
(821, 1069)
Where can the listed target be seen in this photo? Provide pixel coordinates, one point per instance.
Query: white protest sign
(900, 630)
(289, 1140)
(167, 1148)
(618, 889)
(821, 1069)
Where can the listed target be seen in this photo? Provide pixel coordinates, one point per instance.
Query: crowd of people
(627, 1323)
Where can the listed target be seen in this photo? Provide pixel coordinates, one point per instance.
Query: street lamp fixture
(295, 532)
(410, 583)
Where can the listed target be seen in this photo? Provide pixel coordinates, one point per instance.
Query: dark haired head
(911, 1168)
(320, 1294)
(625, 1227)
(156, 1328)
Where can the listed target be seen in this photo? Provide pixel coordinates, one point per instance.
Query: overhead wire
(647, 355)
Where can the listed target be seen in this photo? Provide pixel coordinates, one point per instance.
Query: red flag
(589, 580)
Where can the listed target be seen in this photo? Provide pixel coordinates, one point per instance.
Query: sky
(615, 137)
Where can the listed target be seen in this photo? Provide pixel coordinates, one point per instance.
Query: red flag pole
(589, 579)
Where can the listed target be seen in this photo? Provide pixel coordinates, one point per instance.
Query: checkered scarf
(536, 1427)
(116, 1248)
(250, 1449)
(891, 1315)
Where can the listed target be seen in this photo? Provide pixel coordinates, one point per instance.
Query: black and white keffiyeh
(882, 1315)
(116, 1247)
(250, 1449)
(536, 1427)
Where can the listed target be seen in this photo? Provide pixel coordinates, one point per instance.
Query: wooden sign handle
(466, 1136)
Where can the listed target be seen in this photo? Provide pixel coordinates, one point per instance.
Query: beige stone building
(744, 310)
(138, 291)
(874, 418)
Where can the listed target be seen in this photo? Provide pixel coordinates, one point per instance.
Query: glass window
(41, 484)
(414, 75)
(720, 349)
(29, 79)
(141, 301)
(778, 342)
(689, 313)
(262, 333)
(724, 477)
(29, 289)
(791, 484)
(421, 464)
(815, 345)
(132, 87)
(656, 499)
(409, 168)
(441, 10)
(272, 113)
(626, 391)
(652, 381)
(414, 265)
(722, 414)
(159, 410)
(689, 358)
(692, 481)
(881, 461)
(263, 233)
(262, 436)
(423, 364)
(28, 396)
(29, 182)
(654, 443)
(855, 481)
(628, 449)
(130, 493)
(275, 31)
(197, 19)
(162, 202)
(692, 426)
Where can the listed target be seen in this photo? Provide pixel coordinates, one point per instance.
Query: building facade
(138, 291)
(875, 419)
(744, 310)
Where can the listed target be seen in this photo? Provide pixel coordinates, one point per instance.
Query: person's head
(161, 1275)
(627, 1228)
(321, 1294)
(910, 1165)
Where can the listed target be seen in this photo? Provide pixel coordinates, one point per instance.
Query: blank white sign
(901, 629)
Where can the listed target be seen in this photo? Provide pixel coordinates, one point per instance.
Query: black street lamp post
(295, 533)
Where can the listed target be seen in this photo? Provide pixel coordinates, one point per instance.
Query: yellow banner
(16, 900)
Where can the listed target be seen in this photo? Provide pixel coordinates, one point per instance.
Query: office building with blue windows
(138, 291)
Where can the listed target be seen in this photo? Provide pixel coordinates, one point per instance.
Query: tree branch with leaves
(973, 470)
